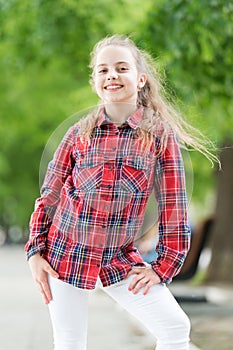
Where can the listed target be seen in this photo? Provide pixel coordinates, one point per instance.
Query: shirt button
(111, 167)
(109, 186)
(106, 207)
(97, 265)
(101, 245)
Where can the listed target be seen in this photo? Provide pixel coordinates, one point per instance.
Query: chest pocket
(89, 171)
(135, 174)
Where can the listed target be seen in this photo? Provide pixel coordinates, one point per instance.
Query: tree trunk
(221, 265)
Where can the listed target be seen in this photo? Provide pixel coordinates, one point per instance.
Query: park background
(44, 58)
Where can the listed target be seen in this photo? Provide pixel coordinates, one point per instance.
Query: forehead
(113, 54)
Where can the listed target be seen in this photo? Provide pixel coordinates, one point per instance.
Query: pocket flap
(90, 160)
(137, 162)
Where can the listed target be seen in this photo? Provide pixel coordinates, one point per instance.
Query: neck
(119, 112)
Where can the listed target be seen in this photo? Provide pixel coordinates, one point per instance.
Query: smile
(113, 87)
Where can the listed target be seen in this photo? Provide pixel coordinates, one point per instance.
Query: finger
(133, 272)
(47, 292)
(139, 285)
(147, 288)
(139, 269)
(50, 270)
(136, 270)
(137, 281)
(40, 287)
(43, 285)
(134, 281)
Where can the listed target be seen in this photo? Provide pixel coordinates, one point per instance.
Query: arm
(58, 170)
(173, 227)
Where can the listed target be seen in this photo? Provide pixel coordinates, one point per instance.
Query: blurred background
(44, 79)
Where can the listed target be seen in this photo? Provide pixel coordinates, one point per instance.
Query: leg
(158, 311)
(69, 313)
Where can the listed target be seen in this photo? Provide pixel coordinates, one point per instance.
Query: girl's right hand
(40, 269)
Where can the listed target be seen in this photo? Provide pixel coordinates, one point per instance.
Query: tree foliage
(193, 41)
(44, 56)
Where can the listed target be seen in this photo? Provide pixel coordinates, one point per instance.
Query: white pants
(158, 311)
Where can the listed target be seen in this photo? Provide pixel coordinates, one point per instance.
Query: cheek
(96, 86)
(98, 90)
(98, 81)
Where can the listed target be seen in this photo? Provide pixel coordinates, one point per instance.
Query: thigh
(69, 315)
(158, 311)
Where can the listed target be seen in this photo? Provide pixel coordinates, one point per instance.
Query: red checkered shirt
(93, 202)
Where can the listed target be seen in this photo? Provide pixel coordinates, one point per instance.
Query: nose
(112, 74)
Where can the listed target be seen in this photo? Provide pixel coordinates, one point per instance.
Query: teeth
(112, 87)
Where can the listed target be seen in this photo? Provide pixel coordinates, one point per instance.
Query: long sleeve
(45, 206)
(174, 230)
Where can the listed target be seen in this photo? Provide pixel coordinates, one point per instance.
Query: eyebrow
(120, 62)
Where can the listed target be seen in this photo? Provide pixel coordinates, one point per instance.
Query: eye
(123, 69)
(102, 71)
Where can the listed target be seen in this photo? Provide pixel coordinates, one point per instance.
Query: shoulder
(79, 127)
(163, 129)
(72, 133)
(166, 141)
(164, 133)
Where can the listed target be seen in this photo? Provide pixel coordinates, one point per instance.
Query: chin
(114, 100)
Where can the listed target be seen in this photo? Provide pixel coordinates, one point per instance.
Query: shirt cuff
(159, 271)
(31, 249)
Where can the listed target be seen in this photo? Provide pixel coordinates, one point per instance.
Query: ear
(142, 80)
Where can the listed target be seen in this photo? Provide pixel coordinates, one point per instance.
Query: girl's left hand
(145, 277)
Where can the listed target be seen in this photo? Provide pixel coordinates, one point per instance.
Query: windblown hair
(159, 113)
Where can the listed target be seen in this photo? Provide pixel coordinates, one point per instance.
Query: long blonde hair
(159, 113)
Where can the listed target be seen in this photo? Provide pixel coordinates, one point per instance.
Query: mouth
(113, 87)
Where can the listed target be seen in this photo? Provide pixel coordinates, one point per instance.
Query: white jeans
(158, 311)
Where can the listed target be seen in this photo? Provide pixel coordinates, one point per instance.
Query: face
(116, 77)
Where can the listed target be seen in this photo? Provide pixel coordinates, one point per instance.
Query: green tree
(193, 39)
(44, 53)
(44, 57)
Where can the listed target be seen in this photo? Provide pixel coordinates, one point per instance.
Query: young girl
(94, 198)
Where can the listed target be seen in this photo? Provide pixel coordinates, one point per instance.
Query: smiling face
(116, 77)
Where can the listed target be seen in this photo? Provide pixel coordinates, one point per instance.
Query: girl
(94, 197)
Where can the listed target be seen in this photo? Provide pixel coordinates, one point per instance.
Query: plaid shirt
(93, 202)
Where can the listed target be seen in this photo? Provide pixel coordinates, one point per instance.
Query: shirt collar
(133, 121)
